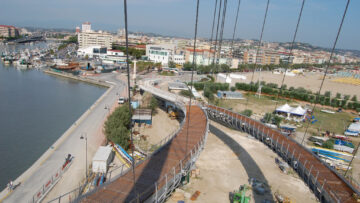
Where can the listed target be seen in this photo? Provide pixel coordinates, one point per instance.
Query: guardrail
(303, 161)
(119, 171)
(46, 188)
(170, 180)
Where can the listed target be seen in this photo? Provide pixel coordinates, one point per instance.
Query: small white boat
(328, 111)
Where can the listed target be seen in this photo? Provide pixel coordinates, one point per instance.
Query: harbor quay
(36, 178)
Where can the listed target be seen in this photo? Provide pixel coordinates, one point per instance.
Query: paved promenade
(90, 123)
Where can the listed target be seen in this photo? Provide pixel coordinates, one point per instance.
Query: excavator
(173, 114)
(239, 196)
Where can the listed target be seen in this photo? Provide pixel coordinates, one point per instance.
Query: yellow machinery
(173, 114)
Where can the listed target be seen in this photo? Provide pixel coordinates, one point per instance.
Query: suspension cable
(128, 81)
(216, 38)
(213, 25)
(327, 67)
(236, 19)
(290, 53)
(192, 74)
(221, 33)
(257, 51)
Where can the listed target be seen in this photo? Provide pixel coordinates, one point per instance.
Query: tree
(327, 94)
(354, 98)
(172, 64)
(277, 120)
(338, 95)
(117, 126)
(186, 93)
(72, 39)
(233, 89)
(153, 104)
(267, 117)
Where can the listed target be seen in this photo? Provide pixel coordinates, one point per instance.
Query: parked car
(121, 100)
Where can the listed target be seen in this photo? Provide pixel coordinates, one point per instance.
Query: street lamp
(84, 136)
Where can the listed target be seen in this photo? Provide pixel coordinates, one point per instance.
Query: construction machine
(239, 196)
(173, 114)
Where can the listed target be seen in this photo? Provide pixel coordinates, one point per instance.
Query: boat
(332, 154)
(327, 111)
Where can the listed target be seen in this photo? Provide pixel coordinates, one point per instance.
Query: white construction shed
(102, 159)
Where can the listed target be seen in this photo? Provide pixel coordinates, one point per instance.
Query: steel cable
(327, 67)
(290, 53)
(192, 73)
(259, 45)
(128, 81)
(236, 19)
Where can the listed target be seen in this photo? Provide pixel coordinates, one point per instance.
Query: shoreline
(51, 149)
(78, 78)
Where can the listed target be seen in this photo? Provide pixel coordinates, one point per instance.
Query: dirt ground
(309, 81)
(161, 127)
(229, 160)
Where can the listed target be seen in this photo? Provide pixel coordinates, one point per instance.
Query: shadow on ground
(252, 169)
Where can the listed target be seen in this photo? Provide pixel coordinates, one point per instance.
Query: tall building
(87, 39)
(77, 30)
(86, 27)
(8, 31)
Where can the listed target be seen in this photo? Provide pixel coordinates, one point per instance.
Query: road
(90, 123)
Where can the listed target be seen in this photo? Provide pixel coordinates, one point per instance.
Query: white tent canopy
(284, 108)
(298, 111)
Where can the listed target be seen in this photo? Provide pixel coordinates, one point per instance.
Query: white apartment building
(87, 39)
(92, 51)
(160, 53)
(179, 59)
(86, 27)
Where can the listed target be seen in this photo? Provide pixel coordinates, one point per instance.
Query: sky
(319, 24)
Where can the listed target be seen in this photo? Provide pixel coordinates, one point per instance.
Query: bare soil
(229, 160)
(309, 81)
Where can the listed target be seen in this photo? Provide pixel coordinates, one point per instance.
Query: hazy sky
(320, 21)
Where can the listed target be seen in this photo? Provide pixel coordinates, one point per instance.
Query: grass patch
(254, 103)
(165, 73)
(336, 123)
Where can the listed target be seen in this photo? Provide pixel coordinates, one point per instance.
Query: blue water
(35, 110)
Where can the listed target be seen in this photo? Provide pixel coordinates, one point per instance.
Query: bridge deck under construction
(334, 184)
(160, 168)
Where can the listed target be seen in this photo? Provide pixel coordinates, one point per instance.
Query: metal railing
(122, 169)
(45, 188)
(306, 171)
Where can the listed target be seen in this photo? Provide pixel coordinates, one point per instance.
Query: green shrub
(117, 126)
(246, 112)
(329, 144)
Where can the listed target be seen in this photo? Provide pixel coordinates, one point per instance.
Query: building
(8, 31)
(77, 30)
(86, 27)
(87, 39)
(142, 116)
(160, 53)
(179, 59)
(203, 56)
(264, 57)
(92, 51)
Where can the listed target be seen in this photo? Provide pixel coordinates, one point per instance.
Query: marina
(29, 121)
